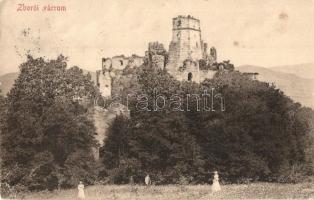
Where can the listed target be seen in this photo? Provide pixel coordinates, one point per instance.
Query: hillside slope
(301, 70)
(7, 81)
(299, 89)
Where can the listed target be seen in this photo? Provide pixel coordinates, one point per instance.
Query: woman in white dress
(216, 186)
(80, 188)
(147, 180)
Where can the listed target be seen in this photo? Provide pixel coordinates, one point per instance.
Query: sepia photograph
(156, 99)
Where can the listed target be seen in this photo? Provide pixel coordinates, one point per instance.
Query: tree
(46, 127)
(255, 137)
(152, 142)
(261, 134)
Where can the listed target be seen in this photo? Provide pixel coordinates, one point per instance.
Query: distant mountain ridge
(295, 82)
(305, 70)
(298, 88)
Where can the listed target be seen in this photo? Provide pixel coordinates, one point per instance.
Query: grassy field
(173, 192)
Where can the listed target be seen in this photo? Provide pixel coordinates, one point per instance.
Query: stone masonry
(188, 58)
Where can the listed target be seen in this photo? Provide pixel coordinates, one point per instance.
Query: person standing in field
(216, 186)
(80, 188)
(131, 180)
(147, 180)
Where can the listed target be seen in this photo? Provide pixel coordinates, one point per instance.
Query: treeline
(261, 135)
(47, 136)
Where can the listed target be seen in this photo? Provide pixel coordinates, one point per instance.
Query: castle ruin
(187, 50)
(188, 58)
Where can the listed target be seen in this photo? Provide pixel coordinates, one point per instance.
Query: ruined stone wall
(156, 54)
(158, 61)
(104, 83)
(190, 71)
(192, 67)
(103, 119)
(204, 49)
(112, 68)
(206, 74)
(119, 62)
(135, 61)
(156, 48)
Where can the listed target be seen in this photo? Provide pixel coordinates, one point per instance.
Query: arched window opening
(179, 23)
(190, 76)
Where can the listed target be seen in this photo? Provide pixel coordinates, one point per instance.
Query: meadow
(182, 192)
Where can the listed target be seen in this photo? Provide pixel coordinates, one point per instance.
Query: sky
(264, 33)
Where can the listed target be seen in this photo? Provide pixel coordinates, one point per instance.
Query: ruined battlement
(186, 22)
(113, 68)
(156, 47)
(155, 55)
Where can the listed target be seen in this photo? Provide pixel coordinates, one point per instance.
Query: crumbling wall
(103, 119)
(206, 74)
(103, 83)
(158, 61)
(112, 70)
(156, 55)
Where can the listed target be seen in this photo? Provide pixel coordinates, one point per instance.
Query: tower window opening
(190, 76)
(196, 45)
(179, 23)
(121, 62)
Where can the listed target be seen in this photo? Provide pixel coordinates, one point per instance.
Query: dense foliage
(46, 134)
(254, 132)
(259, 134)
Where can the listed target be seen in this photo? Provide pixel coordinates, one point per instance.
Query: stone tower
(186, 48)
(103, 79)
